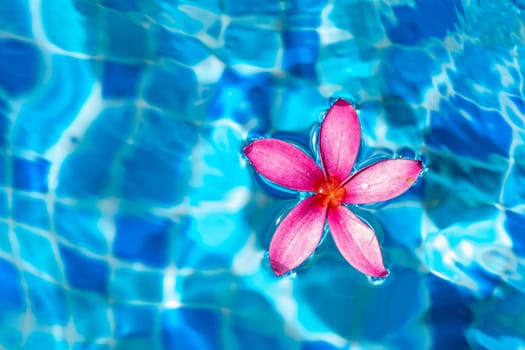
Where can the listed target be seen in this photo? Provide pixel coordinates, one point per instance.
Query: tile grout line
(117, 262)
(109, 207)
(50, 197)
(15, 246)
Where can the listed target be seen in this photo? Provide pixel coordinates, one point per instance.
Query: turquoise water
(130, 220)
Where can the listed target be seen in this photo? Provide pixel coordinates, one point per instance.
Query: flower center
(330, 192)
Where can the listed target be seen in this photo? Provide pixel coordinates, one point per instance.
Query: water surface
(130, 220)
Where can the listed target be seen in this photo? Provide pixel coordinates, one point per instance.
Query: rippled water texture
(130, 220)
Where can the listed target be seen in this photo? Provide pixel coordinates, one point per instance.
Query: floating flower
(332, 186)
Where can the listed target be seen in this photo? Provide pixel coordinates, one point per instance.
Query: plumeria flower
(332, 186)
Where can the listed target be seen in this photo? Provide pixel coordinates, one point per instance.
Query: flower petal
(297, 236)
(340, 137)
(382, 181)
(356, 241)
(284, 164)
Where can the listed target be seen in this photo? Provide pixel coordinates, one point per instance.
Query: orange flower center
(330, 192)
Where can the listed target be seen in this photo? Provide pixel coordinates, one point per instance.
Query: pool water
(130, 220)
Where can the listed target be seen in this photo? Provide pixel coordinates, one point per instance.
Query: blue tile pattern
(11, 292)
(83, 272)
(30, 211)
(48, 302)
(120, 80)
(94, 323)
(423, 20)
(184, 328)
(30, 175)
(142, 240)
(23, 73)
(130, 220)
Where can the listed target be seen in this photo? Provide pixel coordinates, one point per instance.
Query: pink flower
(300, 232)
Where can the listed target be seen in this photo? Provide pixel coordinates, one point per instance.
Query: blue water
(130, 220)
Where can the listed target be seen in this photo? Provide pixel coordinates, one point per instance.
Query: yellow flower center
(330, 192)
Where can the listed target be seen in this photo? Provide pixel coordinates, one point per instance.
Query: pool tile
(475, 181)
(450, 132)
(213, 183)
(405, 83)
(301, 105)
(134, 320)
(186, 21)
(249, 310)
(40, 124)
(424, 21)
(20, 66)
(319, 345)
(257, 338)
(466, 78)
(90, 314)
(5, 244)
(124, 38)
(3, 205)
(450, 315)
(133, 285)
(60, 14)
(19, 19)
(79, 226)
(121, 5)
(3, 165)
(346, 317)
(188, 328)
(514, 192)
(48, 301)
(301, 50)
(11, 293)
(514, 225)
(4, 129)
(11, 336)
(215, 29)
(164, 91)
(515, 114)
(182, 48)
(393, 304)
(30, 175)
(208, 241)
(308, 19)
(91, 345)
(120, 79)
(301, 6)
(243, 45)
(30, 211)
(242, 97)
(108, 132)
(195, 289)
(38, 251)
(142, 239)
(393, 217)
(246, 7)
(41, 340)
(362, 19)
(157, 169)
(188, 253)
(83, 272)
(138, 343)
